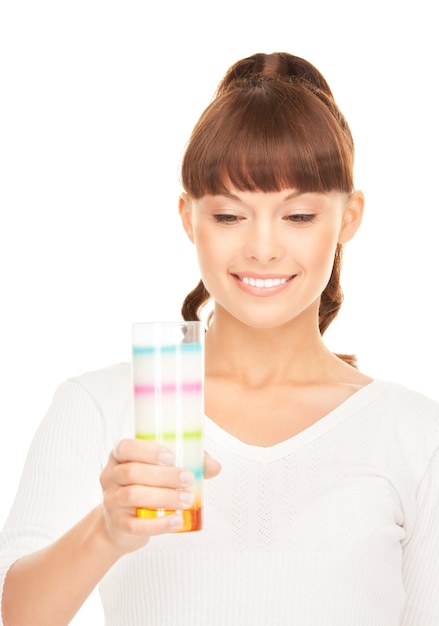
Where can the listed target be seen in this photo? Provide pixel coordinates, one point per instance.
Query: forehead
(290, 196)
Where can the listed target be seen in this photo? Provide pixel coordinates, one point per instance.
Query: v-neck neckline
(348, 407)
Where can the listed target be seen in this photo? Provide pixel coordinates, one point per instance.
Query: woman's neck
(257, 356)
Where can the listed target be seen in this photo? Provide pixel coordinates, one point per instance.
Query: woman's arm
(420, 566)
(49, 586)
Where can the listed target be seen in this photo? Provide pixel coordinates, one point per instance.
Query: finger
(143, 452)
(134, 473)
(168, 523)
(146, 497)
(148, 527)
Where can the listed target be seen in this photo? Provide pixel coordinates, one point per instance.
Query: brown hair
(272, 124)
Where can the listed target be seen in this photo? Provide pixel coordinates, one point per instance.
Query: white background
(97, 101)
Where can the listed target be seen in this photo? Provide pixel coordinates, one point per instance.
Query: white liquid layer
(169, 399)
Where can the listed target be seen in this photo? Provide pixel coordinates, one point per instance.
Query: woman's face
(267, 257)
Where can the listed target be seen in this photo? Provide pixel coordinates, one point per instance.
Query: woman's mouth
(260, 286)
(263, 283)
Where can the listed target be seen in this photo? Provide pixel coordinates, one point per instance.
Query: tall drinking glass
(168, 386)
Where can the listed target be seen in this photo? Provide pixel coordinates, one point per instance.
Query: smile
(263, 283)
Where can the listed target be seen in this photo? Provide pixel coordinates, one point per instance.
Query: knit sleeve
(421, 555)
(60, 479)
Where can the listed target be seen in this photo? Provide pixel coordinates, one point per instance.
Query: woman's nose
(264, 243)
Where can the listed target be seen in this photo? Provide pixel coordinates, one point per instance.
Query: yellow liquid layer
(191, 517)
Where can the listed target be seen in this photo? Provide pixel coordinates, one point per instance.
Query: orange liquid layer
(192, 518)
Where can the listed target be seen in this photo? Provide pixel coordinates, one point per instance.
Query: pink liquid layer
(153, 389)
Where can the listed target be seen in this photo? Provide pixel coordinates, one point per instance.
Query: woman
(325, 510)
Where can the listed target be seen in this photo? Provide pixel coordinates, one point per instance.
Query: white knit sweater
(337, 526)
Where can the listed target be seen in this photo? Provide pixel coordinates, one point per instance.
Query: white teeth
(262, 283)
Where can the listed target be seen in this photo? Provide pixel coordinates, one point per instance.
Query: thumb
(211, 466)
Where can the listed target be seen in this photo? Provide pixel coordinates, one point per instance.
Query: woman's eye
(301, 218)
(226, 218)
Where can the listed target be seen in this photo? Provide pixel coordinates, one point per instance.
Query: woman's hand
(141, 474)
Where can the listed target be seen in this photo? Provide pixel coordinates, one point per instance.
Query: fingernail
(166, 458)
(186, 477)
(176, 521)
(186, 498)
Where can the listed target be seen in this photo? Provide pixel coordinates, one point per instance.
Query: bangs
(266, 138)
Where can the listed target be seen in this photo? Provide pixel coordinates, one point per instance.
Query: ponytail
(193, 303)
(331, 301)
(332, 296)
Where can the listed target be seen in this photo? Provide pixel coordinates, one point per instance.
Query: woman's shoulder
(110, 390)
(112, 380)
(405, 400)
(405, 417)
